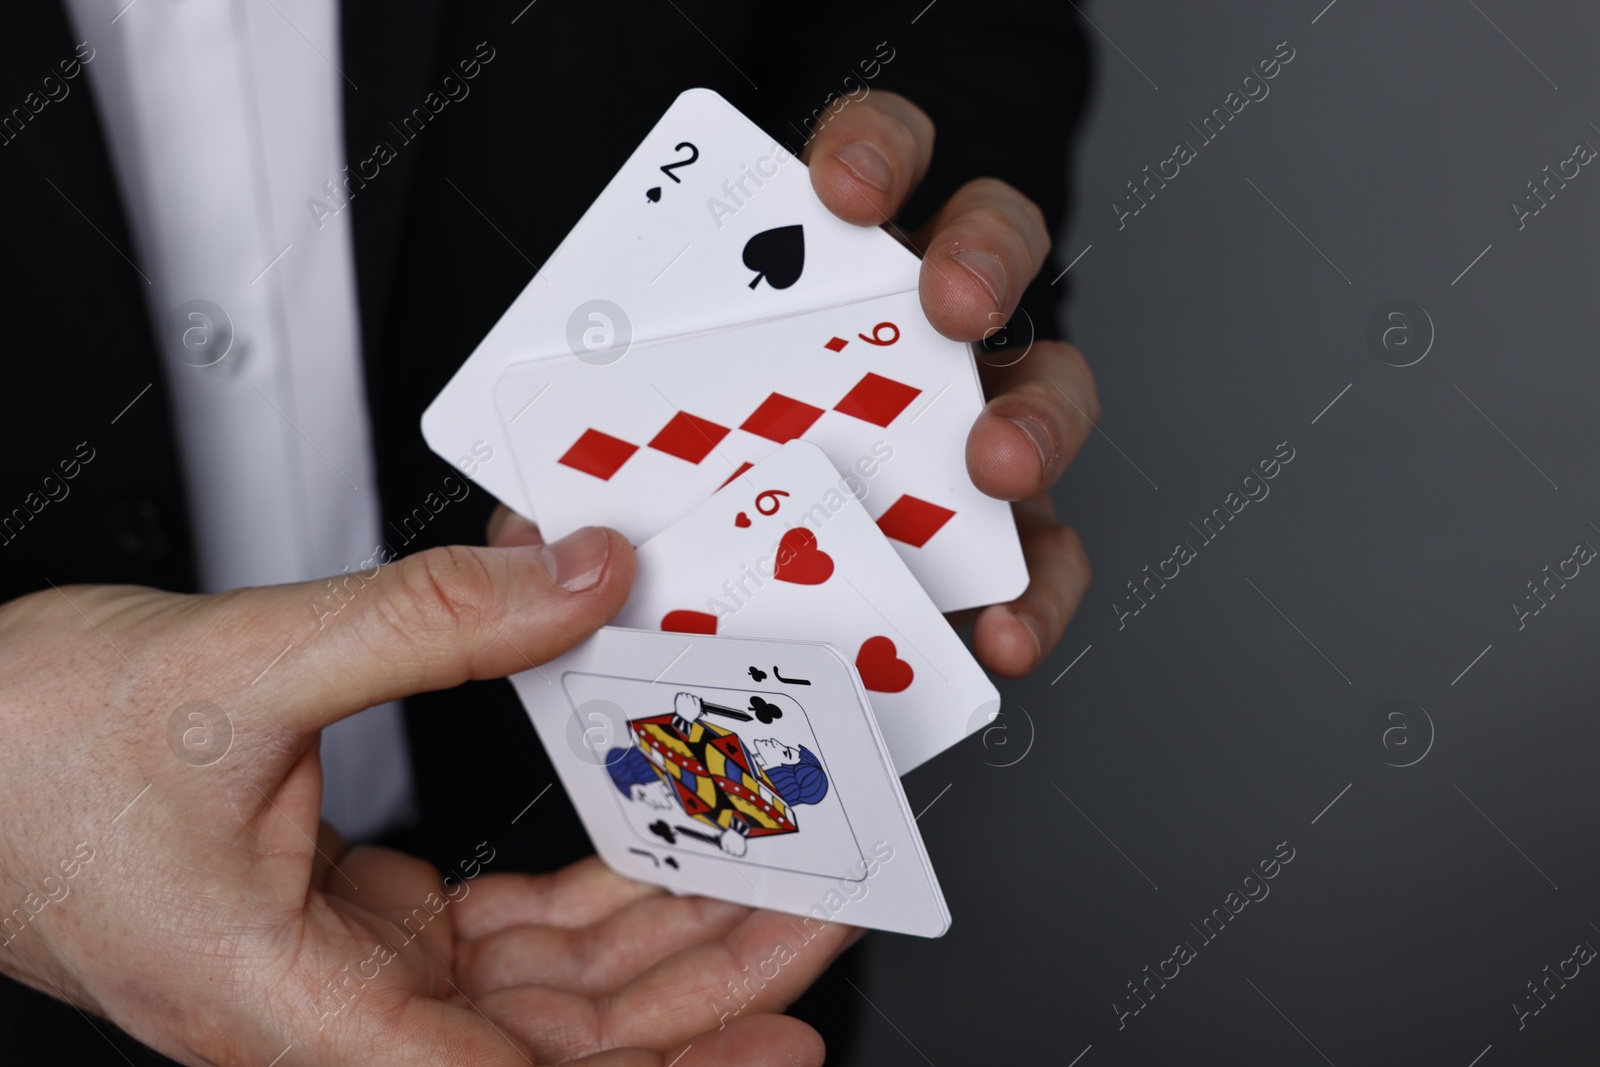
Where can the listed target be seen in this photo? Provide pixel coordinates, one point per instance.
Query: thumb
(436, 619)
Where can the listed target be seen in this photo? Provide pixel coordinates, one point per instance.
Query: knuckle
(902, 141)
(1075, 557)
(441, 589)
(891, 129)
(1070, 571)
(994, 222)
(1058, 406)
(1076, 562)
(991, 218)
(24, 614)
(1034, 213)
(1000, 203)
(913, 118)
(992, 189)
(1076, 370)
(1060, 380)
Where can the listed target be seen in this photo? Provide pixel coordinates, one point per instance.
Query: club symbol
(672, 862)
(779, 255)
(653, 194)
(663, 831)
(758, 674)
(765, 710)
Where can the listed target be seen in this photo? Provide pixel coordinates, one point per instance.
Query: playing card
(690, 774)
(790, 788)
(636, 443)
(709, 223)
(786, 550)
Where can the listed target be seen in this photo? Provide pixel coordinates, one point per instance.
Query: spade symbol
(779, 255)
(663, 831)
(653, 194)
(765, 710)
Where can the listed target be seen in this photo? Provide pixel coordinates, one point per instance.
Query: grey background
(1212, 727)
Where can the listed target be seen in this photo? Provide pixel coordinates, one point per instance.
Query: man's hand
(162, 865)
(979, 252)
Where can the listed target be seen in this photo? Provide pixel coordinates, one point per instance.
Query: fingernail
(1040, 438)
(868, 163)
(987, 268)
(576, 562)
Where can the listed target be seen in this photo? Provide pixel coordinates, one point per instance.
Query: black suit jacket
(471, 196)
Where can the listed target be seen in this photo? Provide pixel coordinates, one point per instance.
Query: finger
(385, 1025)
(573, 897)
(866, 159)
(771, 958)
(1041, 412)
(1012, 639)
(506, 528)
(754, 1041)
(395, 886)
(292, 844)
(979, 253)
(429, 621)
(599, 959)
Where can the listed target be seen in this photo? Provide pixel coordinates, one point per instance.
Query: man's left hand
(979, 252)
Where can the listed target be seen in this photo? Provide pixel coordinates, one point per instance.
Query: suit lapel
(60, 167)
(391, 53)
(64, 148)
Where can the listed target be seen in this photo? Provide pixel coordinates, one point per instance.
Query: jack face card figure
(682, 762)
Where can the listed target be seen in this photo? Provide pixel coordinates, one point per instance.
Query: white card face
(708, 224)
(785, 551)
(636, 444)
(688, 773)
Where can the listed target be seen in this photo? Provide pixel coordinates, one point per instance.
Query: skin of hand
(979, 252)
(162, 864)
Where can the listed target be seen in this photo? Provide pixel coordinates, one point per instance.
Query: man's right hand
(161, 862)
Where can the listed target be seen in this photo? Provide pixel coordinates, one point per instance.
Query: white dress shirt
(223, 119)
